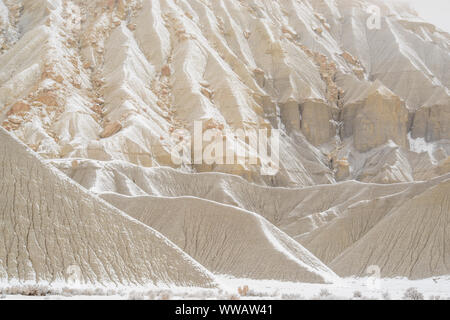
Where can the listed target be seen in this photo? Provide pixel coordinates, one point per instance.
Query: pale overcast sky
(435, 11)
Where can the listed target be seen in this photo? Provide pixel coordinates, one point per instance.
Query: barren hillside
(47, 230)
(100, 93)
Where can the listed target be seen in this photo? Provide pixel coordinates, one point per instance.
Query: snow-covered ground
(351, 288)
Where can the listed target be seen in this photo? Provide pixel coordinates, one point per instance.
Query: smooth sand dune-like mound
(412, 241)
(355, 219)
(50, 225)
(226, 240)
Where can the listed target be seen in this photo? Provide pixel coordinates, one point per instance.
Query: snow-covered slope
(106, 89)
(51, 227)
(412, 241)
(327, 220)
(206, 215)
(226, 240)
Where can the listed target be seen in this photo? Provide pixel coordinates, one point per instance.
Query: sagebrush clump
(413, 294)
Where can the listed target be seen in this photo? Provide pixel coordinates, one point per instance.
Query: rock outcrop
(317, 122)
(383, 117)
(432, 123)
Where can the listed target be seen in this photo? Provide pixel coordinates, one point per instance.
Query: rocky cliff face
(112, 80)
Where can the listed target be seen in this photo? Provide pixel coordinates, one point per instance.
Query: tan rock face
(316, 122)
(382, 118)
(164, 65)
(432, 123)
(444, 166)
(111, 129)
(19, 107)
(355, 63)
(348, 116)
(290, 114)
(48, 98)
(59, 79)
(342, 170)
(207, 93)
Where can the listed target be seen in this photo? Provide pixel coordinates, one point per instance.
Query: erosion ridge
(326, 219)
(48, 229)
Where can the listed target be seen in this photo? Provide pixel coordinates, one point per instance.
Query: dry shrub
(413, 294)
(324, 293)
(386, 296)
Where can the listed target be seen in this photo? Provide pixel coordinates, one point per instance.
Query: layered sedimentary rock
(317, 122)
(432, 123)
(383, 117)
